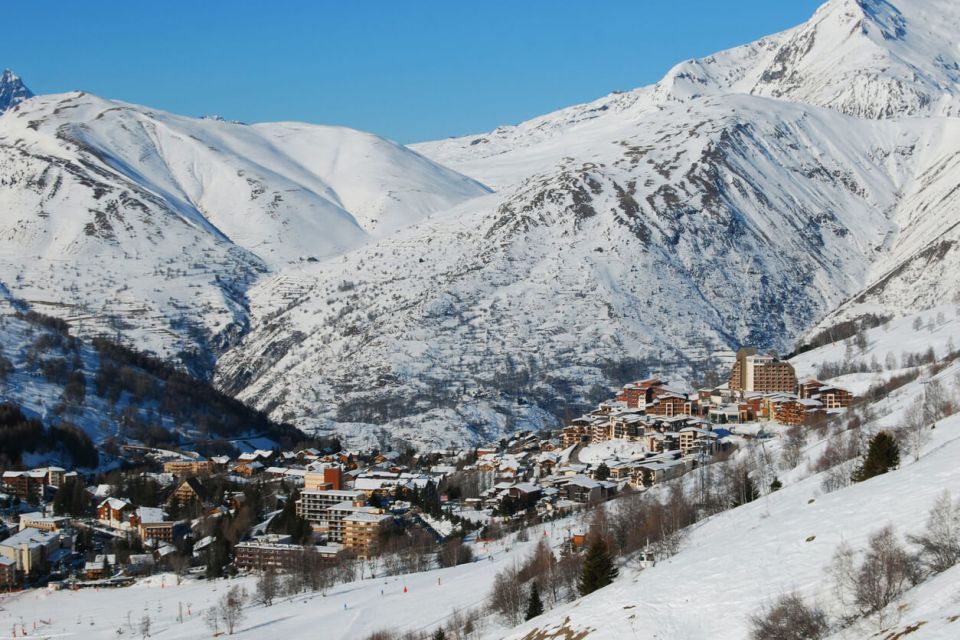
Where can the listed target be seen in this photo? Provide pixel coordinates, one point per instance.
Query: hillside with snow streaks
(671, 242)
(128, 220)
(631, 235)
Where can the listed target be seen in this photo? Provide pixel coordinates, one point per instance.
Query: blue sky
(406, 70)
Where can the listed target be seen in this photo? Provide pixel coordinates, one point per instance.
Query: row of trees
(20, 435)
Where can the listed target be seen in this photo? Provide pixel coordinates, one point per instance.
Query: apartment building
(361, 530)
(764, 373)
(314, 503)
(184, 468)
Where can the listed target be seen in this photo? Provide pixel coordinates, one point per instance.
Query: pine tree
(598, 568)
(883, 455)
(744, 490)
(534, 604)
(71, 499)
(439, 634)
(603, 472)
(287, 521)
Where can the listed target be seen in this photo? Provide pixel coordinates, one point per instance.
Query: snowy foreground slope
(734, 563)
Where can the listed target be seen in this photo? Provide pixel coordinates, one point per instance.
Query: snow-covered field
(414, 602)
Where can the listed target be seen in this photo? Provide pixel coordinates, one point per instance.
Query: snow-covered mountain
(342, 282)
(867, 58)
(739, 200)
(126, 219)
(12, 90)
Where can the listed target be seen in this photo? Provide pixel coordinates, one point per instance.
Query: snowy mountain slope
(122, 218)
(12, 90)
(108, 393)
(743, 199)
(736, 562)
(921, 267)
(731, 220)
(867, 58)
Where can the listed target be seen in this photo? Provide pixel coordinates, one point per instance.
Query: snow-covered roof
(362, 516)
(30, 537)
(117, 504)
(583, 481)
(151, 515)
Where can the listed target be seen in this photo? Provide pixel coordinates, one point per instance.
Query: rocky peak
(12, 90)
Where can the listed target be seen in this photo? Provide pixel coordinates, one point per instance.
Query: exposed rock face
(12, 90)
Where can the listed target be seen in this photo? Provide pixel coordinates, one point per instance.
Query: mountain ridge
(749, 197)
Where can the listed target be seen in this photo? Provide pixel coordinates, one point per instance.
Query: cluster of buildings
(35, 485)
(336, 489)
(656, 433)
(672, 430)
(760, 387)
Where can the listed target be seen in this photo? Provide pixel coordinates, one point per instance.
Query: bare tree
(454, 552)
(860, 339)
(267, 585)
(230, 607)
(940, 542)
(507, 596)
(212, 618)
(791, 453)
(936, 400)
(566, 575)
(179, 562)
(539, 567)
(887, 570)
(145, 626)
(837, 477)
(890, 362)
(789, 618)
(915, 434)
(840, 448)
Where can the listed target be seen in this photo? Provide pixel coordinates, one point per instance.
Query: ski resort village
(194, 545)
(335, 506)
(681, 362)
